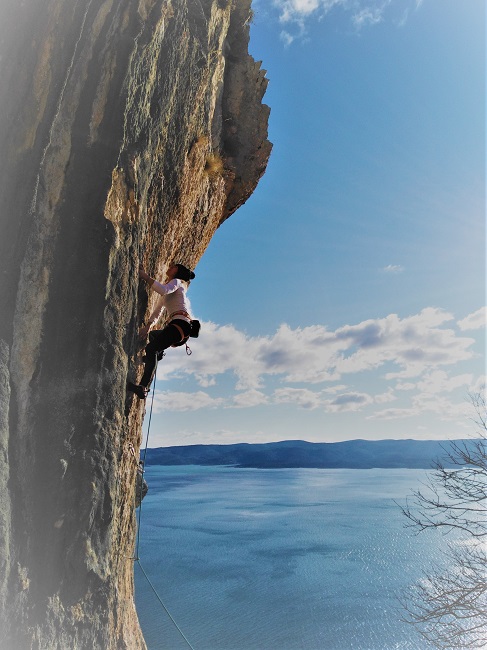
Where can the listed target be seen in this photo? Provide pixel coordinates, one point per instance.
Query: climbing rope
(141, 468)
(136, 558)
(164, 607)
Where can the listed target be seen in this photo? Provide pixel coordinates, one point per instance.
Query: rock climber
(178, 325)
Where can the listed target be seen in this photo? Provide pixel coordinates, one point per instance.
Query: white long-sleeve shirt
(172, 298)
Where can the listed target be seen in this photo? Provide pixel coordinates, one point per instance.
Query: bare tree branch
(449, 607)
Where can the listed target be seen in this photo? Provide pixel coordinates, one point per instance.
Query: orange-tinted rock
(129, 132)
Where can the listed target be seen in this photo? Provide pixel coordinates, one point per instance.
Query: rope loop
(141, 470)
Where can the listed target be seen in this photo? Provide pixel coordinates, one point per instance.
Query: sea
(279, 559)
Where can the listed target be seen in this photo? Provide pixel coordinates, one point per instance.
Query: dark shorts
(162, 339)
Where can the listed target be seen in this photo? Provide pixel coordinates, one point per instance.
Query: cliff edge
(130, 131)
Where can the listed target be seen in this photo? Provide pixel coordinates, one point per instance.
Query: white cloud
(249, 399)
(335, 389)
(403, 19)
(219, 349)
(295, 10)
(441, 406)
(423, 403)
(178, 401)
(386, 397)
(439, 382)
(286, 38)
(474, 321)
(393, 268)
(349, 402)
(345, 401)
(184, 437)
(405, 385)
(302, 397)
(367, 16)
(299, 13)
(306, 354)
(479, 385)
(317, 367)
(392, 414)
(413, 346)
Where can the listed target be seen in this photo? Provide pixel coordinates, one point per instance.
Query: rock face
(129, 131)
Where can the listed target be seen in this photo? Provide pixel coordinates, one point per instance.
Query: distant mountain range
(352, 454)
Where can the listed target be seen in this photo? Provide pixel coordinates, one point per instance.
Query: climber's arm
(158, 308)
(153, 318)
(145, 276)
(164, 289)
(161, 289)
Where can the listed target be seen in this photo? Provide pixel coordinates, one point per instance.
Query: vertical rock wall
(129, 132)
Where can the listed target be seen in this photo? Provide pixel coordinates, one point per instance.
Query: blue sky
(346, 299)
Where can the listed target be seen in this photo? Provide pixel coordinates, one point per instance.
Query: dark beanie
(184, 273)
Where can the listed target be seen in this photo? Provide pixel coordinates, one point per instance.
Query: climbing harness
(140, 471)
(180, 313)
(195, 323)
(184, 338)
(180, 330)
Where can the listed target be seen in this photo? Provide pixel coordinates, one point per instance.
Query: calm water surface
(290, 559)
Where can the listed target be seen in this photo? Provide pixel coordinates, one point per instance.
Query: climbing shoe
(138, 389)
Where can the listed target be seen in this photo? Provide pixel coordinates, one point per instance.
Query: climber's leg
(150, 361)
(159, 340)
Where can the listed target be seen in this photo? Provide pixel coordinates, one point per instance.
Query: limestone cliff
(129, 131)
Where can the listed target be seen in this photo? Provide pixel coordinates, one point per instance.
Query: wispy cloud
(297, 9)
(308, 399)
(296, 15)
(249, 399)
(438, 381)
(421, 404)
(368, 16)
(474, 321)
(393, 268)
(302, 397)
(178, 401)
(287, 38)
